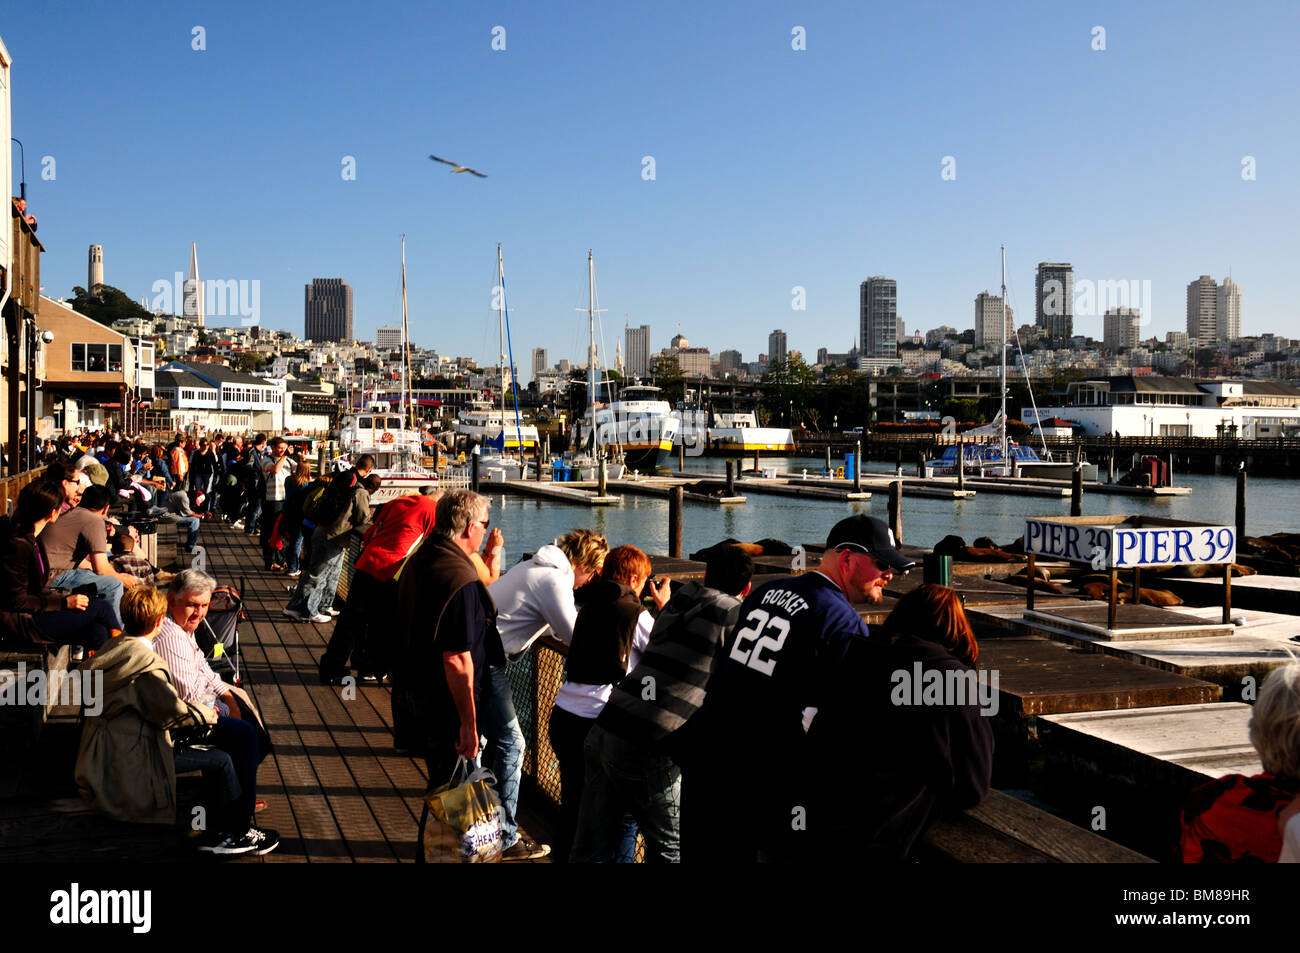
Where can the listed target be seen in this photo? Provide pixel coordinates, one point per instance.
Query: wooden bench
(1005, 830)
(20, 723)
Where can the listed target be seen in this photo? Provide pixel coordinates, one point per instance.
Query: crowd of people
(718, 720)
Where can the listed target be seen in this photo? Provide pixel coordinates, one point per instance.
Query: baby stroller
(218, 634)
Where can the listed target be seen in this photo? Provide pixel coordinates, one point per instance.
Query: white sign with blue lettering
(1110, 546)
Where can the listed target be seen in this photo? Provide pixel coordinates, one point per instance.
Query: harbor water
(1272, 507)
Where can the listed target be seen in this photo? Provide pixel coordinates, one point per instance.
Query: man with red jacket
(399, 527)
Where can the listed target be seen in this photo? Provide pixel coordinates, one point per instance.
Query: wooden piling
(1110, 465)
(1114, 601)
(857, 466)
(675, 522)
(1029, 589)
(1076, 491)
(1137, 586)
(1241, 506)
(473, 472)
(896, 510)
(961, 464)
(601, 477)
(829, 471)
(731, 477)
(1227, 593)
(681, 456)
(756, 461)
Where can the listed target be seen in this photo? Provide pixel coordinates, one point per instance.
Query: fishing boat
(732, 431)
(484, 425)
(392, 438)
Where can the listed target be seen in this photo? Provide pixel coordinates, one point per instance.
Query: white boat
(732, 432)
(483, 425)
(388, 436)
(638, 423)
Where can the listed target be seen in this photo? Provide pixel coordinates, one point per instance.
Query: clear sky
(773, 167)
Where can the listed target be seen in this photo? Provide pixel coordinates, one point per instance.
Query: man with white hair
(442, 677)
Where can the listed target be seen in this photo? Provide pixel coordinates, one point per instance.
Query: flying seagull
(458, 168)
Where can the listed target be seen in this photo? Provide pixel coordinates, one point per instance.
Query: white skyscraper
(1227, 310)
(1122, 327)
(989, 311)
(192, 307)
(540, 362)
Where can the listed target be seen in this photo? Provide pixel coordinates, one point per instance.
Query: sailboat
(635, 421)
(492, 428)
(392, 439)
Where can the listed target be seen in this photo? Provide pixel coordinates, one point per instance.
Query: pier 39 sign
(1132, 543)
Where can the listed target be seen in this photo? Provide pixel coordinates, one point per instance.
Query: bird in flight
(458, 168)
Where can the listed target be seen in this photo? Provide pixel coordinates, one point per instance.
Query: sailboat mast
(408, 410)
(1002, 430)
(591, 350)
(508, 352)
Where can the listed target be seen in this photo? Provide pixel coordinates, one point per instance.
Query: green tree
(250, 361)
(106, 304)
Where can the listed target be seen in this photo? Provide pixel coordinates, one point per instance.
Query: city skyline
(729, 231)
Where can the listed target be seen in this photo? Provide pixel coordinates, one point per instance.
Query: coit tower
(95, 267)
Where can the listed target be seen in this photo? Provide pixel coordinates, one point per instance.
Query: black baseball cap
(866, 534)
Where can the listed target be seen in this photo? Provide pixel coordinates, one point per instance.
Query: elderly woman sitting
(1239, 819)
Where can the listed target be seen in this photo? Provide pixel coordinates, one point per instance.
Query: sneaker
(332, 611)
(525, 849)
(293, 575)
(237, 524)
(294, 614)
(321, 619)
(372, 678)
(253, 841)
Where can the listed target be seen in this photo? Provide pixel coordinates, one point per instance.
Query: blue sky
(774, 168)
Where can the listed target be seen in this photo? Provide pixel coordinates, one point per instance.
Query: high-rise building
(729, 362)
(776, 350)
(991, 317)
(1202, 308)
(192, 293)
(388, 338)
(327, 310)
(637, 346)
(1054, 299)
(95, 267)
(1227, 311)
(878, 317)
(1122, 328)
(540, 362)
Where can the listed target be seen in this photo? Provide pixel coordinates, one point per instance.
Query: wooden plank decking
(336, 790)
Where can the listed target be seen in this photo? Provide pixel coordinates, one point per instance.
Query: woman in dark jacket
(205, 467)
(45, 615)
(922, 722)
(608, 637)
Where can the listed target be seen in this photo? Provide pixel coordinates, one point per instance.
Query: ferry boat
(732, 432)
(638, 422)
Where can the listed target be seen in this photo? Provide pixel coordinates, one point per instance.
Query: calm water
(1273, 506)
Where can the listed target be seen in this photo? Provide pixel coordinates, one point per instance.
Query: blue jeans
(106, 588)
(315, 592)
(88, 627)
(505, 748)
(191, 525)
(292, 551)
(625, 778)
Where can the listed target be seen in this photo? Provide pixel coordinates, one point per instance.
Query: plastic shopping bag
(464, 822)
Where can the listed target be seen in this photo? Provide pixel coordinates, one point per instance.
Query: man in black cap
(757, 796)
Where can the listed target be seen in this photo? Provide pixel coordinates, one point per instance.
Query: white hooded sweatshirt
(535, 597)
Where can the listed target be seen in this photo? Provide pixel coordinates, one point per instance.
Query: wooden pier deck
(336, 790)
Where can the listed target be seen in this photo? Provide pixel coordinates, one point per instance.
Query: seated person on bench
(126, 560)
(126, 766)
(77, 549)
(42, 614)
